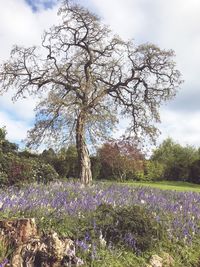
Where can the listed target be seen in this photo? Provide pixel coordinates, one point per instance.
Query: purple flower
(4, 262)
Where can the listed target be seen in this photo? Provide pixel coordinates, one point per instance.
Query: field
(85, 214)
(169, 185)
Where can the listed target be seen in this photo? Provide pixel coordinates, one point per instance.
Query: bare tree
(89, 76)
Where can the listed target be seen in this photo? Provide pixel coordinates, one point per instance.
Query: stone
(156, 261)
(168, 261)
(46, 251)
(33, 250)
(18, 231)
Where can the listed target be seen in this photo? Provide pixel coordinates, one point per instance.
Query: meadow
(85, 214)
(169, 185)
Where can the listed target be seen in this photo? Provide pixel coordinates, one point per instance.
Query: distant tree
(28, 154)
(65, 162)
(153, 170)
(49, 156)
(5, 145)
(71, 159)
(195, 172)
(96, 166)
(89, 75)
(122, 157)
(176, 159)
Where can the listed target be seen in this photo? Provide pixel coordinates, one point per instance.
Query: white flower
(102, 240)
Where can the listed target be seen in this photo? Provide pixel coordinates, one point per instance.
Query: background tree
(5, 145)
(120, 159)
(153, 171)
(176, 159)
(195, 172)
(89, 76)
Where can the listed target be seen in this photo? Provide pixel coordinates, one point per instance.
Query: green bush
(96, 167)
(17, 170)
(133, 227)
(44, 172)
(176, 159)
(154, 170)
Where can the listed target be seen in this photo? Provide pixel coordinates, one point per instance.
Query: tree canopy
(88, 76)
(176, 159)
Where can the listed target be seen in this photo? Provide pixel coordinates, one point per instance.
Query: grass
(169, 185)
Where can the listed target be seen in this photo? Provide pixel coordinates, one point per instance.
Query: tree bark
(84, 162)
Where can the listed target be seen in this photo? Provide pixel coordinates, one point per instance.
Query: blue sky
(172, 24)
(36, 4)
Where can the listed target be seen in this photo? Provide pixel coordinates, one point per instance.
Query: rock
(33, 250)
(18, 231)
(48, 251)
(165, 261)
(168, 261)
(156, 261)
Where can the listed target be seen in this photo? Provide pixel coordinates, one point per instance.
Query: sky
(172, 24)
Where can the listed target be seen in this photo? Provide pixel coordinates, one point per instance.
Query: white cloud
(182, 127)
(16, 129)
(23, 108)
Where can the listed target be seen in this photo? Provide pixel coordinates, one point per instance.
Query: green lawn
(169, 185)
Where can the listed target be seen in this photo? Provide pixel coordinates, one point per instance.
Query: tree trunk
(84, 163)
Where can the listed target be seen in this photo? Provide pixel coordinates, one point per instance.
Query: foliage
(64, 162)
(96, 167)
(42, 172)
(132, 227)
(17, 168)
(48, 156)
(176, 159)
(120, 159)
(5, 145)
(154, 170)
(195, 172)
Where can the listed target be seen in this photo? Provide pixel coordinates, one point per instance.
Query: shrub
(17, 170)
(44, 172)
(154, 170)
(133, 227)
(96, 167)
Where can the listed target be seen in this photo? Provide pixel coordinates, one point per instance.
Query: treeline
(181, 163)
(119, 160)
